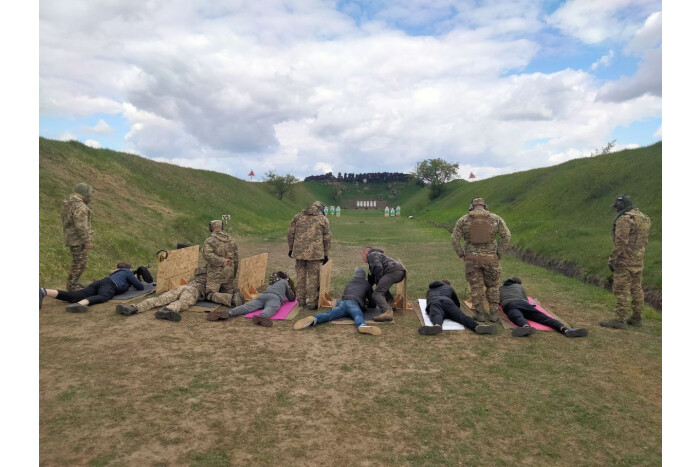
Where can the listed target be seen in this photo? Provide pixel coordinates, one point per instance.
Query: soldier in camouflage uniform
(175, 300)
(309, 238)
(221, 255)
(481, 255)
(630, 234)
(77, 229)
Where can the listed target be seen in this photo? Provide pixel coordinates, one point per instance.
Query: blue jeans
(342, 309)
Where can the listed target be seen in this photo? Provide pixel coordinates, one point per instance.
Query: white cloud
(647, 37)
(252, 85)
(92, 143)
(604, 61)
(657, 133)
(101, 127)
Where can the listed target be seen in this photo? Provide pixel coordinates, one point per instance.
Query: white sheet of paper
(447, 325)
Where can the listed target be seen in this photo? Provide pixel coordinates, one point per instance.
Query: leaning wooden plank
(177, 269)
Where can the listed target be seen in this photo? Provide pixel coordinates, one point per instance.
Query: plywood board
(177, 269)
(401, 300)
(324, 297)
(252, 272)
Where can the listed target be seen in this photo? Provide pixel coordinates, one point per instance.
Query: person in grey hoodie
(279, 290)
(442, 303)
(356, 297)
(516, 306)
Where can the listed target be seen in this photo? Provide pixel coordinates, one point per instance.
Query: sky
(311, 86)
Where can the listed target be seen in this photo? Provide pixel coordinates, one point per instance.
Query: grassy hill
(141, 206)
(560, 216)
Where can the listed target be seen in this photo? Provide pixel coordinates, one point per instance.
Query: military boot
(480, 316)
(614, 323)
(170, 315)
(238, 299)
(127, 310)
(493, 315)
(635, 321)
(388, 315)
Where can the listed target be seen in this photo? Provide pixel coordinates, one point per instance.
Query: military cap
(319, 205)
(216, 223)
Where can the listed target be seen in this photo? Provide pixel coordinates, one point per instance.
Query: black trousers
(520, 311)
(444, 308)
(97, 292)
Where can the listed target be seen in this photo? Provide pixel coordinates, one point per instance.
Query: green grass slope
(141, 206)
(562, 214)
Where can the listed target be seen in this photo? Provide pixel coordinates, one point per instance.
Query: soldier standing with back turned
(309, 239)
(481, 255)
(77, 229)
(630, 234)
(221, 254)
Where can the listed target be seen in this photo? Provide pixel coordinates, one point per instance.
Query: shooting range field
(118, 390)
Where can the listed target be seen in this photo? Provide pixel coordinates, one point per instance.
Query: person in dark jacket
(384, 272)
(279, 290)
(98, 292)
(357, 296)
(443, 303)
(516, 306)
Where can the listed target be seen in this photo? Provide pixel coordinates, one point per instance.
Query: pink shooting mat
(538, 326)
(282, 313)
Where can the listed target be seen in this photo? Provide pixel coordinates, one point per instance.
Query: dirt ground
(118, 390)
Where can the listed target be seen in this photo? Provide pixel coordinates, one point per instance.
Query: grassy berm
(118, 390)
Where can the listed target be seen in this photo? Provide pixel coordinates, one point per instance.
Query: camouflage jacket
(217, 248)
(380, 264)
(630, 239)
(309, 235)
(463, 231)
(76, 219)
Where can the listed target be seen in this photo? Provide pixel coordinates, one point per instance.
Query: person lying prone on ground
(278, 291)
(98, 292)
(519, 310)
(443, 303)
(356, 297)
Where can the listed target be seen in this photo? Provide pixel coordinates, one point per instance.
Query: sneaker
(486, 329)
(523, 331)
(262, 321)
(430, 330)
(373, 330)
(42, 294)
(170, 315)
(304, 323)
(613, 323)
(576, 332)
(636, 322)
(127, 310)
(76, 308)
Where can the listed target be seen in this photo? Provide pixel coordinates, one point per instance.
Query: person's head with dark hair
(365, 252)
(516, 280)
(447, 282)
(123, 265)
(277, 276)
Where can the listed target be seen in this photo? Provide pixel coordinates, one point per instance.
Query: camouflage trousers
(77, 267)
(308, 280)
(177, 299)
(220, 280)
(484, 277)
(627, 282)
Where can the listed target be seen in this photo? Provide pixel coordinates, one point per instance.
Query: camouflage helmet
(623, 203)
(215, 223)
(83, 189)
(319, 205)
(476, 201)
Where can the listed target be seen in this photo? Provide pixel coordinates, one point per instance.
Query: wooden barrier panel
(401, 300)
(324, 296)
(177, 269)
(252, 275)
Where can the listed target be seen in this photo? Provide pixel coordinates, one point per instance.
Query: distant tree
(279, 184)
(435, 173)
(605, 150)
